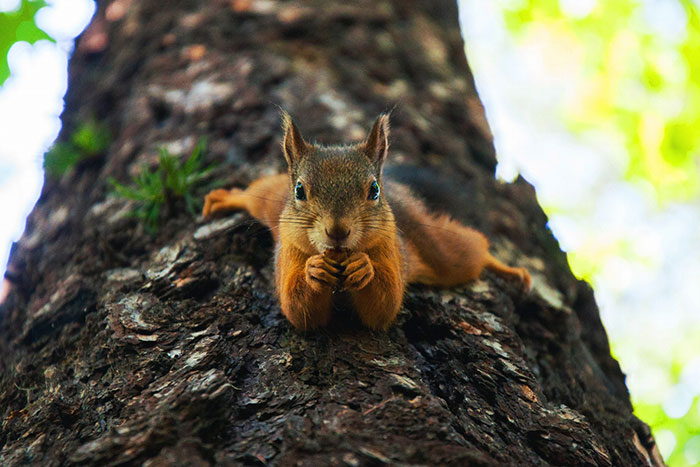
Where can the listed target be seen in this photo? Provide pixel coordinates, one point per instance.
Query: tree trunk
(120, 347)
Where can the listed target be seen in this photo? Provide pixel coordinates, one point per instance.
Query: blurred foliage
(640, 78)
(16, 26)
(171, 181)
(668, 400)
(90, 139)
(639, 62)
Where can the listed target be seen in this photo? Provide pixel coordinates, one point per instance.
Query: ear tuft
(377, 143)
(293, 145)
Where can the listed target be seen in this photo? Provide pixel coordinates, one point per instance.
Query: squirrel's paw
(525, 278)
(358, 271)
(321, 273)
(220, 200)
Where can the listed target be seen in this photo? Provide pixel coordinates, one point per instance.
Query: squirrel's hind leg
(450, 253)
(502, 269)
(224, 200)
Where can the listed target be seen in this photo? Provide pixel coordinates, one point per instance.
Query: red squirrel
(335, 231)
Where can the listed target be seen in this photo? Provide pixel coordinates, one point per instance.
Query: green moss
(90, 139)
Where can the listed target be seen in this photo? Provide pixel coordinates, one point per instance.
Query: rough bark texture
(119, 347)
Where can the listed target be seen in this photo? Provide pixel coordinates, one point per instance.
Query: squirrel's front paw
(320, 273)
(358, 271)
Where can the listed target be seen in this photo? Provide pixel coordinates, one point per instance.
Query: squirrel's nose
(338, 233)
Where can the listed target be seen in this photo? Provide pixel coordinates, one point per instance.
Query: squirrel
(337, 229)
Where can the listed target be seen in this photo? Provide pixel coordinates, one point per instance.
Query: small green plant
(91, 138)
(88, 140)
(60, 158)
(171, 181)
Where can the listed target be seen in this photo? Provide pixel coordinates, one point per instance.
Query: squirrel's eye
(373, 191)
(299, 192)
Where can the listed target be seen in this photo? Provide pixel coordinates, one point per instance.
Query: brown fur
(374, 262)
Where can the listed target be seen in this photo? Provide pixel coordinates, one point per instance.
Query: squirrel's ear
(377, 143)
(293, 144)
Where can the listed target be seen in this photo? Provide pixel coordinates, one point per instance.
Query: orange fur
(378, 303)
(264, 199)
(392, 244)
(439, 250)
(307, 305)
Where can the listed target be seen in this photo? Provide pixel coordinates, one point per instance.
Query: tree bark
(119, 347)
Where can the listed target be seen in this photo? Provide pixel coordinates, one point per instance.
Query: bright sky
(31, 101)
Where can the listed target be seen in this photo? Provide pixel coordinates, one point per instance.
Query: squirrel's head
(336, 199)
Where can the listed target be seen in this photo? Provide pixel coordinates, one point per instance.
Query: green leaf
(18, 26)
(681, 138)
